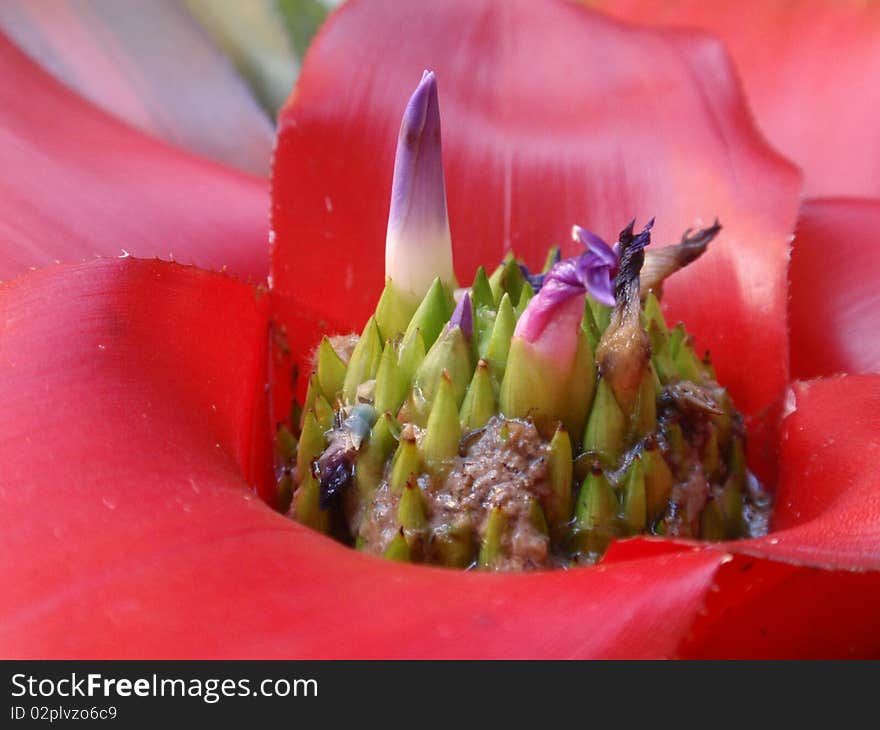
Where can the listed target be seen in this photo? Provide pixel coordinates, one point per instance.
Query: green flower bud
(306, 508)
(653, 314)
(411, 510)
(412, 353)
(596, 520)
(443, 432)
(374, 454)
(558, 505)
(284, 494)
(491, 546)
(525, 296)
(311, 445)
(398, 549)
(537, 518)
(507, 278)
(451, 354)
(406, 463)
(285, 444)
(481, 291)
(606, 427)
(364, 361)
(635, 503)
(432, 314)
(497, 346)
(589, 326)
(330, 370)
(394, 311)
(479, 403)
(391, 384)
(658, 480)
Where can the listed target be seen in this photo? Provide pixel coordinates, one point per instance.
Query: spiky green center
(450, 468)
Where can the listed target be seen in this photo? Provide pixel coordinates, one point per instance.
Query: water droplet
(108, 503)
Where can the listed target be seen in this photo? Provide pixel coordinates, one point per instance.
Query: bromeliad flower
(133, 423)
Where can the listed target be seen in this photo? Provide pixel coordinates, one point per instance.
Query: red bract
(133, 428)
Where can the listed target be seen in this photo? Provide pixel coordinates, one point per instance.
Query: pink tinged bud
(418, 246)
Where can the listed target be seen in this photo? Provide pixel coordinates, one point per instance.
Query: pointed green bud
(653, 313)
(677, 335)
(644, 416)
(311, 445)
(525, 296)
(394, 311)
(687, 364)
(581, 388)
(635, 503)
(306, 507)
(453, 545)
(606, 427)
(284, 494)
(406, 463)
(537, 518)
(364, 361)
(323, 413)
(498, 344)
(398, 548)
(314, 390)
(658, 480)
(553, 257)
(712, 522)
(601, 314)
(374, 454)
(411, 510)
(492, 544)
(481, 292)
(432, 314)
(451, 354)
(661, 358)
(557, 505)
(285, 444)
(596, 521)
(507, 278)
(330, 370)
(443, 432)
(391, 385)
(479, 402)
(589, 326)
(412, 353)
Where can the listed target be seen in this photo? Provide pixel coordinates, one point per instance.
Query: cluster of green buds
(522, 422)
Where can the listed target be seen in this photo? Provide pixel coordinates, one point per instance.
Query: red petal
(827, 510)
(151, 65)
(820, 113)
(75, 183)
(761, 609)
(835, 288)
(552, 115)
(131, 404)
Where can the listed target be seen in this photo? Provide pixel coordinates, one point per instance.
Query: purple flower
(594, 271)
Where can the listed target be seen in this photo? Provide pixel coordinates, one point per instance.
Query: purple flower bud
(418, 246)
(463, 317)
